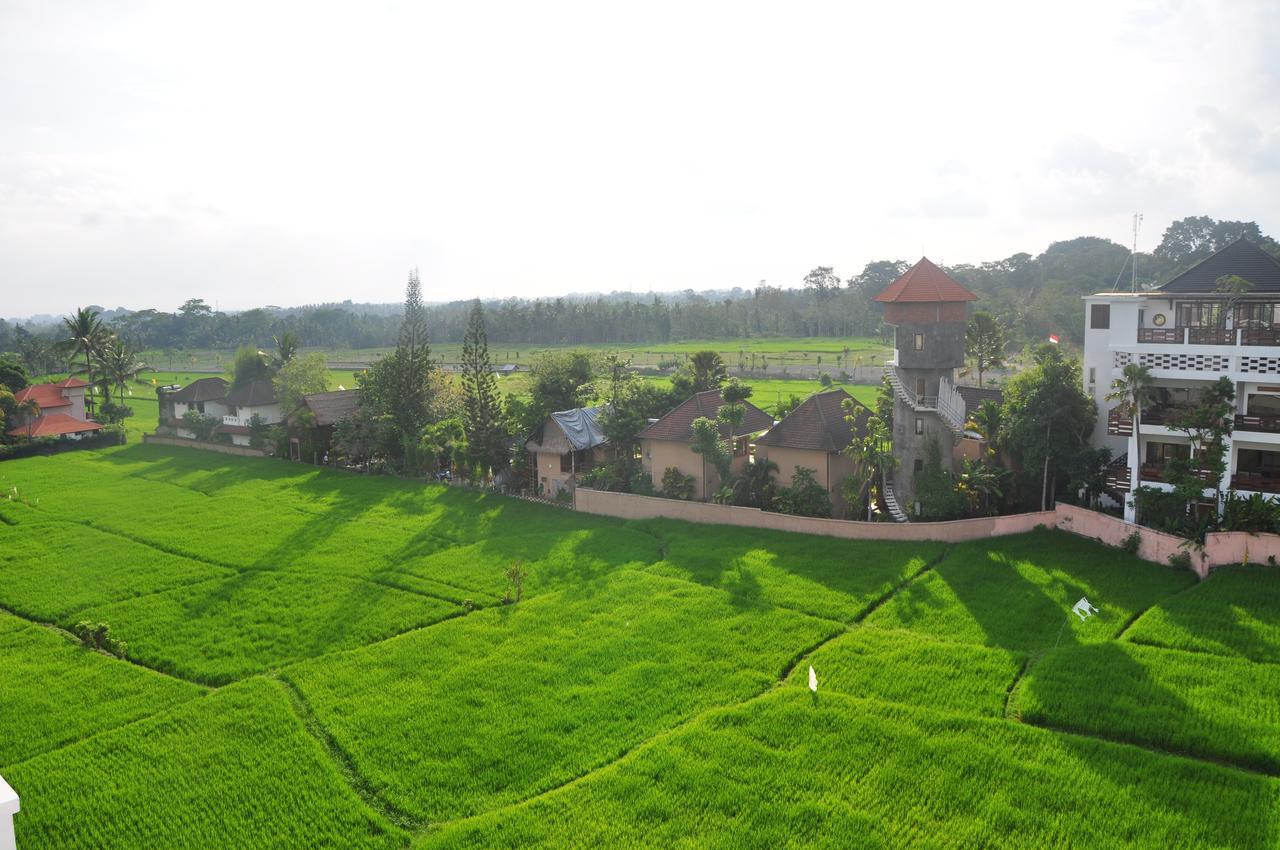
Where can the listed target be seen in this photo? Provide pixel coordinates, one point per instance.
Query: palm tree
(118, 365)
(981, 482)
(29, 410)
(1134, 390)
(286, 350)
(755, 486)
(85, 333)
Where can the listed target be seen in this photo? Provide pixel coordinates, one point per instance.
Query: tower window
(918, 466)
(919, 342)
(919, 425)
(1100, 316)
(920, 387)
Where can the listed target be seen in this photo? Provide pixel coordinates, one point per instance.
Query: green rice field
(319, 659)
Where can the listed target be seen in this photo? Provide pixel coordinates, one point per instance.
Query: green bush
(677, 485)
(1132, 543)
(1180, 560)
(805, 496)
(98, 636)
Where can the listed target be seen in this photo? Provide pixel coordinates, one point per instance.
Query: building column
(1135, 467)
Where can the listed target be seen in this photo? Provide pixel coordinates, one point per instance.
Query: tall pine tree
(410, 372)
(482, 418)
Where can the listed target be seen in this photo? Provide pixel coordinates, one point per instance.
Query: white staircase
(891, 501)
(947, 404)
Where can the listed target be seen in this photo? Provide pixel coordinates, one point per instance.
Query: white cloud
(301, 152)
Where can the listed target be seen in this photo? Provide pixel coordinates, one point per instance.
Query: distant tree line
(1031, 296)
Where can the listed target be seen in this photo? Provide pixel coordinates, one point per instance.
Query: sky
(281, 153)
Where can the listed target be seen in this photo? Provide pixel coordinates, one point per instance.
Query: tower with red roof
(928, 311)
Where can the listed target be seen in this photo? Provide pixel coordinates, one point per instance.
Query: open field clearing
(649, 688)
(779, 350)
(822, 576)
(504, 704)
(910, 668)
(783, 771)
(1016, 592)
(242, 751)
(56, 692)
(1236, 611)
(1173, 700)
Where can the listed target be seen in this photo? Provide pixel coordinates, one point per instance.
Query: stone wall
(1220, 549)
(221, 448)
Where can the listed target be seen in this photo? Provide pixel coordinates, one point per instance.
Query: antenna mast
(1133, 268)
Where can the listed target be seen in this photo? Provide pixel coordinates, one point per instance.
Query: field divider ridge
(54, 627)
(670, 731)
(363, 787)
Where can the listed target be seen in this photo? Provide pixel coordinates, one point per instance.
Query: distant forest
(1031, 296)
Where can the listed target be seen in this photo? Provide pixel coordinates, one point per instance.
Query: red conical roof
(924, 282)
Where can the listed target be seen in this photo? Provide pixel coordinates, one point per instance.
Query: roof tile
(924, 282)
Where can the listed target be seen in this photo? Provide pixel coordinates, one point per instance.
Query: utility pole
(1133, 266)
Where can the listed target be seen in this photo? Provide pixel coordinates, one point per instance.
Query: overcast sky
(271, 153)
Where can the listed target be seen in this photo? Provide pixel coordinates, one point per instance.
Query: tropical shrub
(805, 496)
(677, 485)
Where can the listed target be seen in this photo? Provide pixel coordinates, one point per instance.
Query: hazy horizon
(151, 153)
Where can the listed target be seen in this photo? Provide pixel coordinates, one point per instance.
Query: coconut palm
(980, 483)
(29, 410)
(1134, 390)
(85, 333)
(118, 364)
(286, 350)
(755, 486)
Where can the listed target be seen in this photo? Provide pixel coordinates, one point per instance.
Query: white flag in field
(813, 680)
(1084, 608)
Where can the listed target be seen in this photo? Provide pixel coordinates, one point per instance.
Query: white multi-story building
(1188, 333)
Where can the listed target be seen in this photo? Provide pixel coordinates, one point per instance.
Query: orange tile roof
(925, 282)
(46, 395)
(54, 424)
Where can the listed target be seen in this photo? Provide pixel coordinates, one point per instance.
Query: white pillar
(1135, 467)
(8, 808)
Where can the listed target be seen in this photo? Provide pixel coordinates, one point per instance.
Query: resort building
(814, 436)
(666, 443)
(1189, 332)
(311, 425)
(565, 444)
(928, 311)
(233, 409)
(61, 411)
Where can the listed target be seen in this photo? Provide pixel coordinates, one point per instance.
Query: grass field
(780, 351)
(316, 659)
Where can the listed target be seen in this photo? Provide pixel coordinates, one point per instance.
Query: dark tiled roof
(819, 423)
(1242, 258)
(205, 389)
(678, 424)
(925, 282)
(332, 408)
(252, 394)
(975, 396)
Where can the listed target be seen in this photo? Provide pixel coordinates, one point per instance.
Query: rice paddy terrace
(314, 659)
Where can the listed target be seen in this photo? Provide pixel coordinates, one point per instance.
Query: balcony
(1172, 336)
(1263, 423)
(241, 421)
(1119, 423)
(1259, 481)
(1210, 336)
(1158, 472)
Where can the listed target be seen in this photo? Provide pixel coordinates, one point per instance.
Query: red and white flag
(1053, 338)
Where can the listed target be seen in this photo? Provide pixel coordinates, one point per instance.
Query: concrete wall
(658, 455)
(152, 439)
(627, 506)
(831, 470)
(1220, 549)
